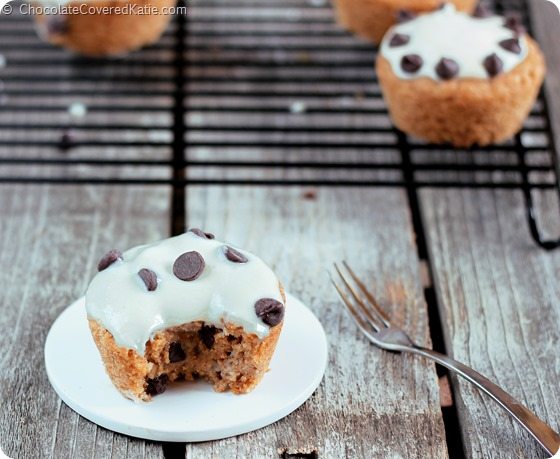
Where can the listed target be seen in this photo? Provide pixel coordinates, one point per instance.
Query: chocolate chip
(201, 233)
(206, 335)
(399, 39)
(66, 141)
(57, 24)
(189, 266)
(512, 45)
(157, 385)
(149, 277)
(514, 22)
(270, 311)
(310, 195)
(176, 352)
(447, 68)
(482, 11)
(108, 259)
(493, 65)
(234, 255)
(405, 16)
(411, 63)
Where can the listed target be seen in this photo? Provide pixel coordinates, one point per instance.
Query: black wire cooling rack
(237, 92)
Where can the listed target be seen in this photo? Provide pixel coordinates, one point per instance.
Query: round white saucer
(191, 411)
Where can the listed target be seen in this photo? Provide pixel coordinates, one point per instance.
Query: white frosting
(225, 291)
(454, 35)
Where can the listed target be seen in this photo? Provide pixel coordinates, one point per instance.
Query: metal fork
(376, 325)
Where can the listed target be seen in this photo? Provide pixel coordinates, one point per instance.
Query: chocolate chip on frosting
(270, 311)
(399, 39)
(108, 259)
(176, 352)
(157, 385)
(189, 266)
(234, 255)
(405, 16)
(512, 45)
(513, 21)
(493, 65)
(447, 68)
(201, 233)
(149, 277)
(482, 11)
(411, 63)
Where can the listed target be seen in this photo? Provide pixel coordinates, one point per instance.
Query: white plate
(186, 412)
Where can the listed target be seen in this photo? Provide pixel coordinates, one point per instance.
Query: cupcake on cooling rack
(370, 19)
(184, 308)
(448, 77)
(102, 27)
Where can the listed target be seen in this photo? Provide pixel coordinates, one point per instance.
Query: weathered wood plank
(500, 307)
(51, 237)
(371, 403)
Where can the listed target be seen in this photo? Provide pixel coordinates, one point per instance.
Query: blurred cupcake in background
(101, 28)
(448, 77)
(370, 19)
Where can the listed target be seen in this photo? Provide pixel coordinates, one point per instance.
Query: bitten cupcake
(101, 28)
(184, 308)
(370, 19)
(448, 77)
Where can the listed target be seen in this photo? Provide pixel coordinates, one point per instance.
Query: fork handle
(540, 431)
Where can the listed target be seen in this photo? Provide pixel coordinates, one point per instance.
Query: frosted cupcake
(370, 19)
(184, 308)
(448, 77)
(104, 27)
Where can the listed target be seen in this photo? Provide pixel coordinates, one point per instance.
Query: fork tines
(365, 311)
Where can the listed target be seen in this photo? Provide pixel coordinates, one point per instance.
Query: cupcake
(448, 77)
(370, 19)
(184, 308)
(102, 28)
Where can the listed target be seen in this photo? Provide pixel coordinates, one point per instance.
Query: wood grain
(371, 403)
(52, 237)
(500, 306)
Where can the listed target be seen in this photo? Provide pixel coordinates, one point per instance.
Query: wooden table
(455, 266)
